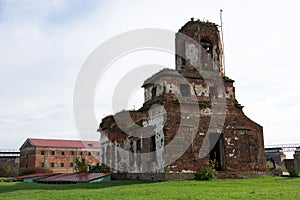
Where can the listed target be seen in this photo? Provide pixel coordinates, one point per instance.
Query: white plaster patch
(156, 119)
(171, 88)
(159, 90)
(173, 166)
(206, 111)
(242, 132)
(199, 89)
(148, 93)
(192, 53)
(187, 171)
(228, 140)
(229, 93)
(232, 154)
(145, 123)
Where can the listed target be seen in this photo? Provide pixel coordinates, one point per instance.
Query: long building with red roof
(57, 156)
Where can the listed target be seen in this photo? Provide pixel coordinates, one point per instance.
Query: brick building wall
(56, 159)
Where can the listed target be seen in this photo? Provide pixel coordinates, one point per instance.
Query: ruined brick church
(190, 117)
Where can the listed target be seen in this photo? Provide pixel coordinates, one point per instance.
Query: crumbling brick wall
(185, 110)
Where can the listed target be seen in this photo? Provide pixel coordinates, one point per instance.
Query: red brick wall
(35, 158)
(242, 139)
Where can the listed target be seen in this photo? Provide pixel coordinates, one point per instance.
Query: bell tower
(198, 47)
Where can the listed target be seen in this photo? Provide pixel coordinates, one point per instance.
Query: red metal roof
(83, 177)
(33, 175)
(63, 143)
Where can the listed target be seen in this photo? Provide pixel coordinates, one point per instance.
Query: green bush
(7, 171)
(207, 173)
(100, 169)
(293, 172)
(269, 165)
(80, 165)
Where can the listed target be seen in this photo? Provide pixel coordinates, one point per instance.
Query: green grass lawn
(255, 188)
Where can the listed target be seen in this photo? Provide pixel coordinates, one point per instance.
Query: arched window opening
(206, 55)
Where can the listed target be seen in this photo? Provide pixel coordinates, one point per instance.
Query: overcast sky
(43, 45)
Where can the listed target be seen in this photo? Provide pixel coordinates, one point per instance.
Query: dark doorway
(216, 153)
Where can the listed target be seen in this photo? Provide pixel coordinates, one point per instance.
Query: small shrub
(269, 165)
(293, 172)
(207, 173)
(100, 169)
(282, 168)
(81, 166)
(7, 171)
(5, 179)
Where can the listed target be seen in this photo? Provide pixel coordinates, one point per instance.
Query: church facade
(190, 117)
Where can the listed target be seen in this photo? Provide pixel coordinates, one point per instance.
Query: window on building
(52, 164)
(62, 153)
(153, 92)
(138, 146)
(52, 153)
(81, 153)
(206, 45)
(42, 164)
(206, 55)
(185, 90)
(213, 93)
(97, 153)
(72, 153)
(71, 164)
(131, 148)
(153, 141)
(26, 156)
(62, 164)
(42, 152)
(26, 166)
(89, 153)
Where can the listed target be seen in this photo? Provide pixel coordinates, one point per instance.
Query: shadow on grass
(6, 187)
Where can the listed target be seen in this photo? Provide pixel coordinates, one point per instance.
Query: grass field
(255, 188)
